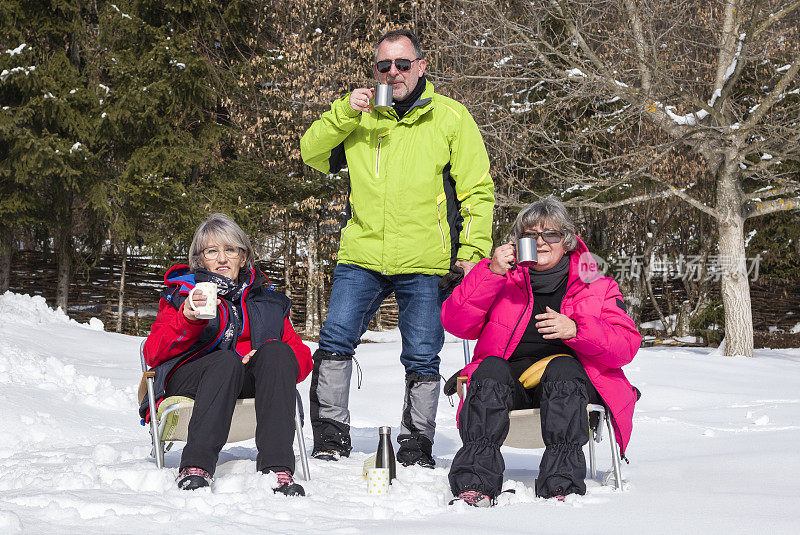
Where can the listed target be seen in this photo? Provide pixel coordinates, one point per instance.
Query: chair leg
(301, 442)
(592, 464)
(158, 445)
(614, 454)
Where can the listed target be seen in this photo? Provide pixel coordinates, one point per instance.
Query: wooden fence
(94, 292)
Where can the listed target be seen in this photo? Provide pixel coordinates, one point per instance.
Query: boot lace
(284, 478)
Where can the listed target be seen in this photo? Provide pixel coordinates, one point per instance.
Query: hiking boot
(409, 457)
(415, 449)
(326, 455)
(473, 498)
(193, 477)
(286, 484)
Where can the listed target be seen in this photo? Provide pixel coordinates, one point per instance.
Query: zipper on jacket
(378, 155)
(530, 302)
(439, 202)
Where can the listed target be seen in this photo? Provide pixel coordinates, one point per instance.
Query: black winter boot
(286, 484)
(192, 477)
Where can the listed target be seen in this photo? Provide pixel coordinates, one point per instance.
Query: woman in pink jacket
(559, 306)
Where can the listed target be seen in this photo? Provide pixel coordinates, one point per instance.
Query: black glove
(452, 279)
(451, 385)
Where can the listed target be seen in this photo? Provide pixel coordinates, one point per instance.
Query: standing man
(421, 201)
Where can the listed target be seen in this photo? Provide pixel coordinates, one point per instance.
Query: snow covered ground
(714, 450)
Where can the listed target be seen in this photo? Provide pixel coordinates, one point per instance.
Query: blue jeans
(355, 297)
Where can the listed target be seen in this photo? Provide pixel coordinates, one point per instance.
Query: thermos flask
(385, 456)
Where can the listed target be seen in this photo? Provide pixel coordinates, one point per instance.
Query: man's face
(403, 83)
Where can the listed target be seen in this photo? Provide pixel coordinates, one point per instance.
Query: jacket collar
(583, 270)
(182, 276)
(422, 106)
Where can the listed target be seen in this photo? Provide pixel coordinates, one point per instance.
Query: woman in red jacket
(248, 350)
(521, 318)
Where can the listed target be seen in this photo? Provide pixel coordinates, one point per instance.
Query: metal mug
(383, 97)
(526, 252)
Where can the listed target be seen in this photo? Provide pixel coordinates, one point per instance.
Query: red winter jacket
(174, 340)
(496, 309)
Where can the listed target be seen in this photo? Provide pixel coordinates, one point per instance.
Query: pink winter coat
(496, 309)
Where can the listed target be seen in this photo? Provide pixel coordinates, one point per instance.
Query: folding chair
(526, 430)
(170, 422)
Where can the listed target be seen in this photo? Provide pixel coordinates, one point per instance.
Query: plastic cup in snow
(378, 481)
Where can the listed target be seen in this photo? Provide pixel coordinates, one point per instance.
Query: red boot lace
(284, 478)
(194, 471)
(472, 496)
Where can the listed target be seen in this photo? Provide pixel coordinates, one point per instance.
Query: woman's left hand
(552, 324)
(246, 358)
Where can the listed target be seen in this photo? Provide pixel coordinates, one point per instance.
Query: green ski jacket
(421, 196)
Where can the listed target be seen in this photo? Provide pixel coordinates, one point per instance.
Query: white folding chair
(170, 423)
(526, 430)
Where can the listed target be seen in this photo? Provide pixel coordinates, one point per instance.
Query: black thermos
(385, 456)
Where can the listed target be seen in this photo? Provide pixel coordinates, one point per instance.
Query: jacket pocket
(352, 220)
(439, 200)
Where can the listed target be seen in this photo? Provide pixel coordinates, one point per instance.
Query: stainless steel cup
(526, 252)
(383, 97)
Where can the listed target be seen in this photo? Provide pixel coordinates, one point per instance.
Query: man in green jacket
(421, 202)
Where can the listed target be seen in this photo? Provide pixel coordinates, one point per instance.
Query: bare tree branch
(778, 205)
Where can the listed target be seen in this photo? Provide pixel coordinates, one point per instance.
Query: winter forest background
(671, 130)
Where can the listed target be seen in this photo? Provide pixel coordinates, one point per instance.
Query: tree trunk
(288, 259)
(6, 247)
(635, 294)
(312, 305)
(733, 267)
(64, 258)
(121, 294)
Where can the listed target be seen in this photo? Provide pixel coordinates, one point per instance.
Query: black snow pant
(562, 396)
(215, 381)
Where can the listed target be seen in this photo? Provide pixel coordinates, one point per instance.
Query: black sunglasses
(402, 64)
(549, 236)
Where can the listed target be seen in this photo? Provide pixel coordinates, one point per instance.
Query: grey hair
(549, 212)
(395, 35)
(224, 230)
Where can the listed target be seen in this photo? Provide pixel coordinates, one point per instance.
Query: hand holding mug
(503, 259)
(359, 99)
(201, 303)
(199, 300)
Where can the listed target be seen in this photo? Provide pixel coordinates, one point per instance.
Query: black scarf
(231, 291)
(402, 106)
(549, 280)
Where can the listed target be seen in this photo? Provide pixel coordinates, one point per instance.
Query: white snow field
(714, 450)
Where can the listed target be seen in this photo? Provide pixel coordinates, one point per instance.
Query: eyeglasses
(402, 64)
(211, 253)
(549, 236)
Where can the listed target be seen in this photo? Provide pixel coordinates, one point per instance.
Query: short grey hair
(396, 35)
(224, 230)
(549, 212)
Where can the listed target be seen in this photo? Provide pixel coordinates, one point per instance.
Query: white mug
(378, 481)
(209, 310)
